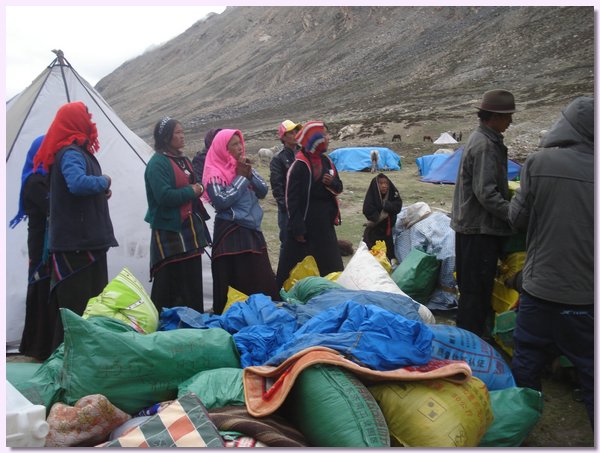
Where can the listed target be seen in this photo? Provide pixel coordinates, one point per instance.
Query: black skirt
(240, 260)
(40, 320)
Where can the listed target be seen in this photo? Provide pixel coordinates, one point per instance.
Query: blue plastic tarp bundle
(265, 334)
(359, 158)
(366, 334)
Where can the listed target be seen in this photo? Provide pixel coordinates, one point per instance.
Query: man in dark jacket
(480, 210)
(555, 205)
(280, 163)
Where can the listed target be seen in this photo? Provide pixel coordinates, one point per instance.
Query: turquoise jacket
(164, 200)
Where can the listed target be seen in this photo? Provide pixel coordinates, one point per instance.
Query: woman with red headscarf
(80, 231)
(312, 187)
(239, 252)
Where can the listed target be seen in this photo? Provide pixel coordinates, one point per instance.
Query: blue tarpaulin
(359, 158)
(447, 172)
(426, 164)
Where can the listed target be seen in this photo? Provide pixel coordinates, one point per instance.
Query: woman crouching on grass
(239, 253)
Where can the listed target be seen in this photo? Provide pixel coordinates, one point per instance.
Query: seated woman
(381, 206)
(239, 253)
(178, 233)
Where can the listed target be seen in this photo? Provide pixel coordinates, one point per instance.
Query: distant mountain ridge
(250, 67)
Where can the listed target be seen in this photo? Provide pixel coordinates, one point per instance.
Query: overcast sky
(95, 39)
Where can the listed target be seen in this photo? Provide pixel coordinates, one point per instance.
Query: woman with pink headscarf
(239, 251)
(312, 187)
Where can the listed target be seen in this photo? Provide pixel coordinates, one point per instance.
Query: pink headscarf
(220, 166)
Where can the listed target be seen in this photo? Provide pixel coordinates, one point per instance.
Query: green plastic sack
(43, 388)
(125, 299)
(417, 275)
(516, 411)
(307, 288)
(504, 327)
(333, 408)
(133, 370)
(19, 372)
(216, 388)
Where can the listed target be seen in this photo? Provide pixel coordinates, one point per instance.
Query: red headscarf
(312, 139)
(220, 166)
(72, 124)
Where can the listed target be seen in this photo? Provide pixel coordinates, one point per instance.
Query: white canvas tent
(445, 139)
(122, 155)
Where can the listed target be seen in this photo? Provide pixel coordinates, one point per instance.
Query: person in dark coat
(200, 157)
(381, 206)
(480, 211)
(40, 314)
(313, 185)
(80, 230)
(555, 205)
(279, 167)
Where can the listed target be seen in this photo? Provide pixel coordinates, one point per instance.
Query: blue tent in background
(426, 164)
(359, 158)
(447, 172)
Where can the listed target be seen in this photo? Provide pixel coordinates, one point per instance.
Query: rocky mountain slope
(390, 70)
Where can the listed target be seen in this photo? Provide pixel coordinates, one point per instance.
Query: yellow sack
(233, 296)
(436, 413)
(379, 251)
(305, 268)
(333, 276)
(504, 298)
(512, 264)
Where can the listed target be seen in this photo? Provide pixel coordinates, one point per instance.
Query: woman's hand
(198, 189)
(328, 178)
(108, 192)
(244, 168)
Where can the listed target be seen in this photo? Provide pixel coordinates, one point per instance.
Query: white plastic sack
(365, 273)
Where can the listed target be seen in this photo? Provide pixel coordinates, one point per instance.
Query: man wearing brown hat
(480, 210)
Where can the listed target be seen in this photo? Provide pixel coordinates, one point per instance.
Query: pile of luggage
(345, 361)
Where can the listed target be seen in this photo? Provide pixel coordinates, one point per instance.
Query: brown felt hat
(497, 101)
